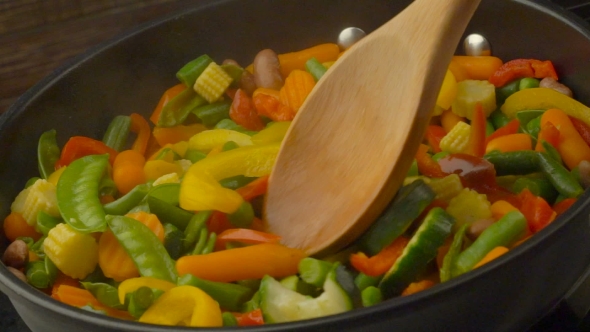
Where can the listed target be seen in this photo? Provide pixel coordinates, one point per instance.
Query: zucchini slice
(421, 249)
(280, 304)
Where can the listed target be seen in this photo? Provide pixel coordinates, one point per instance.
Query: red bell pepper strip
(166, 97)
(272, 108)
(245, 236)
(510, 128)
(251, 318)
(582, 128)
(477, 137)
(434, 134)
(561, 206)
(254, 189)
(142, 129)
(218, 222)
(382, 262)
(243, 113)
(426, 165)
(536, 210)
(548, 133)
(80, 146)
(520, 68)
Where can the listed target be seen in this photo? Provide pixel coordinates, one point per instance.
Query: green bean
(371, 296)
(489, 128)
(193, 229)
(446, 271)
(104, 293)
(533, 127)
(252, 304)
(528, 83)
(47, 153)
(499, 119)
(194, 155)
(168, 213)
(167, 192)
(230, 296)
(201, 241)
(127, 202)
(539, 186)
(211, 114)
(173, 240)
(315, 68)
(189, 73)
(514, 162)
(552, 151)
(413, 171)
(41, 274)
(506, 91)
(229, 124)
(117, 132)
(565, 183)
(178, 108)
(235, 72)
(138, 301)
(229, 319)
(210, 246)
(314, 271)
(363, 281)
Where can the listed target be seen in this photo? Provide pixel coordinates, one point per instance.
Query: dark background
(37, 36)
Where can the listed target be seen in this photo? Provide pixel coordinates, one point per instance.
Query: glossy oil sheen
(129, 75)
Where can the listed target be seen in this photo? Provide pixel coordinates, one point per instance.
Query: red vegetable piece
(510, 128)
(582, 128)
(272, 108)
(243, 113)
(382, 262)
(434, 134)
(477, 138)
(536, 210)
(80, 146)
(520, 68)
(426, 165)
(251, 318)
(254, 189)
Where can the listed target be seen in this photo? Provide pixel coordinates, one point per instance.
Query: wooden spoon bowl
(352, 142)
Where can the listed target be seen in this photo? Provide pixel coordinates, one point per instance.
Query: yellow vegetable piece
(54, 177)
(545, 98)
(180, 148)
(471, 92)
(154, 169)
(208, 139)
(446, 188)
(182, 303)
(133, 284)
(212, 83)
(38, 197)
(456, 140)
(74, 253)
(200, 189)
(448, 92)
(273, 133)
(469, 206)
(490, 256)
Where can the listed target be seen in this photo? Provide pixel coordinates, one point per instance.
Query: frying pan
(513, 293)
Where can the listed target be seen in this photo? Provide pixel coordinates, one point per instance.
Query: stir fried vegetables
(161, 221)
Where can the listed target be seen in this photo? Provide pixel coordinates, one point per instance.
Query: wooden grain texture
(37, 36)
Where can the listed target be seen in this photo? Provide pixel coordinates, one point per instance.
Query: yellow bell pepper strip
(200, 188)
(184, 303)
(250, 262)
(447, 92)
(208, 139)
(154, 169)
(274, 132)
(133, 284)
(542, 99)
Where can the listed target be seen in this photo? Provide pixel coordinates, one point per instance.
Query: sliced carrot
(128, 170)
(251, 262)
(16, 226)
(512, 142)
(478, 67)
(176, 134)
(79, 297)
(298, 86)
(114, 261)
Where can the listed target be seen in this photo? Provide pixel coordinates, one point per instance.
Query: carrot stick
(513, 142)
(254, 189)
(572, 147)
(166, 97)
(418, 286)
(478, 67)
(251, 262)
(79, 297)
(16, 226)
(296, 60)
(128, 170)
(490, 256)
(142, 128)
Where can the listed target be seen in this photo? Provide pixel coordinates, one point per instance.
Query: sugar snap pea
(104, 293)
(78, 193)
(47, 153)
(117, 132)
(144, 248)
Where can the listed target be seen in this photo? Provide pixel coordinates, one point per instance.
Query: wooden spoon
(352, 142)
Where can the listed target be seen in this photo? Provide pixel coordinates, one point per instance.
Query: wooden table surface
(37, 36)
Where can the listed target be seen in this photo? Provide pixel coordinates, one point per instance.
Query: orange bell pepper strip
(519, 68)
(572, 147)
(512, 142)
(582, 128)
(382, 261)
(510, 128)
(477, 137)
(434, 134)
(251, 262)
(80, 146)
(561, 206)
(426, 165)
(172, 135)
(536, 210)
(245, 236)
(272, 108)
(166, 97)
(254, 189)
(478, 67)
(143, 131)
(417, 286)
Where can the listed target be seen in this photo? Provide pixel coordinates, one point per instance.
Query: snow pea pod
(144, 248)
(78, 193)
(47, 153)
